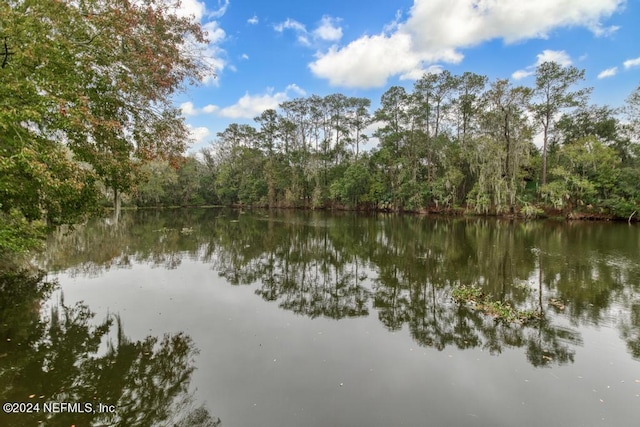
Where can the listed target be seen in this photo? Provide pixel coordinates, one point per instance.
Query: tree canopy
(85, 99)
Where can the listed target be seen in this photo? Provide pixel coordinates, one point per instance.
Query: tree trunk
(117, 200)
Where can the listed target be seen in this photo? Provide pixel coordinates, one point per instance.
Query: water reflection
(64, 355)
(401, 268)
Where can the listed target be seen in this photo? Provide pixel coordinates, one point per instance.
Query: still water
(278, 318)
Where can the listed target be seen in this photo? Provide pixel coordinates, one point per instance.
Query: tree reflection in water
(65, 356)
(402, 267)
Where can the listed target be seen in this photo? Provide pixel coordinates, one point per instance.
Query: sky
(267, 52)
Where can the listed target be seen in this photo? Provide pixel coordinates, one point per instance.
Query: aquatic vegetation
(500, 310)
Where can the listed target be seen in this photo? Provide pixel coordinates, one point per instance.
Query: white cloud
(630, 63)
(417, 73)
(215, 34)
(253, 20)
(222, 9)
(370, 60)
(463, 23)
(609, 72)
(435, 30)
(559, 56)
(393, 25)
(290, 24)
(250, 106)
(295, 88)
(244, 56)
(599, 31)
(193, 8)
(521, 74)
(297, 27)
(198, 134)
(328, 30)
(213, 53)
(304, 40)
(210, 108)
(188, 109)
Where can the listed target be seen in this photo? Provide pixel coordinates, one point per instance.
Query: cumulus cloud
(609, 72)
(297, 89)
(253, 20)
(370, 60)
(417, 73)
(436, 30)
(328, 29)
(630, 63)
(188, 109)
(560, 57)
(253, 105)
(522, 74)
(250, 106)
(198, 134)
(210, 108)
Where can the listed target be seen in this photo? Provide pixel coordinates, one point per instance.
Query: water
(283, 318)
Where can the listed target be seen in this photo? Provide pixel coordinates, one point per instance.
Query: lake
(284, 318)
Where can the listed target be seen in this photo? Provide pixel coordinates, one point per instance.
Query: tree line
(453, 143)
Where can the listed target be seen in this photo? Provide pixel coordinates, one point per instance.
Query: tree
(393, 116)
(586, 175)
(158, 175)
(86, 97)
(632, 111)
(502, 148)
(359, 118)
(553, 95)
(470, 89)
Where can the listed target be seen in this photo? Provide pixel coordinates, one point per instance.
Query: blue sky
(267, 52)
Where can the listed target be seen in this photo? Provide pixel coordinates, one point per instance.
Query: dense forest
(455, 143)
(88, 119)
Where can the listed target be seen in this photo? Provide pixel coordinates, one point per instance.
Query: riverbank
(526, 213)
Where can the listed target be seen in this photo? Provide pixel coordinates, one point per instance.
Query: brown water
(313, 319)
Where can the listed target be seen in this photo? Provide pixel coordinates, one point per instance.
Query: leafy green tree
(85, 93)
(552, 95)
(353, 187)
(157, 176)
(632, 111)
(585, 176)
(498, 154)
